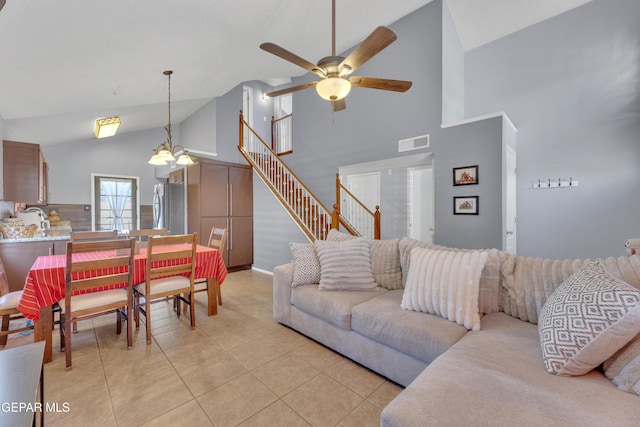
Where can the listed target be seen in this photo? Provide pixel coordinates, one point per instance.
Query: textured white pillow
(306, 266)
(623, 368)
(345, 265)
(445, 283)
(586, 320)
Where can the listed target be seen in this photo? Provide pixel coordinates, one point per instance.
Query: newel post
(335, 217)
(376, 224)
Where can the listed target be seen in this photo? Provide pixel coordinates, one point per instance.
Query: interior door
(420, 191)
(510, 226)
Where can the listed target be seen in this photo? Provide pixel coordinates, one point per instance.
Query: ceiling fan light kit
(333, 88)
(334, 84)
(106, 127)
(166, 152)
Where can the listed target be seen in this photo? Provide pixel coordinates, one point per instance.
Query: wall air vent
(413, 143)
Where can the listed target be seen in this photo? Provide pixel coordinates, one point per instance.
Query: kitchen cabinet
(221, 194)
(18, 257)
(25, 173)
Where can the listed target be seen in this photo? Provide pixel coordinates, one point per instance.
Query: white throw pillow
(623, 368)
(586, 320)
(445, 283)
(345, 265)
(306, 266)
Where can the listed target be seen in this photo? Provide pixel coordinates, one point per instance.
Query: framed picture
(466, 175)
(465, 205)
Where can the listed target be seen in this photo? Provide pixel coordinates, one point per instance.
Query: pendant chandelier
(166, 152)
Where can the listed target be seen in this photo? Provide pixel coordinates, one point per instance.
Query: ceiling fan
(334, 84)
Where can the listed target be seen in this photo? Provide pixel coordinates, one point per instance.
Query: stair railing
(281, 134)
(354, 215)
(313, 218)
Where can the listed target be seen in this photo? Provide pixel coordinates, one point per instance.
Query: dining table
(45, 285)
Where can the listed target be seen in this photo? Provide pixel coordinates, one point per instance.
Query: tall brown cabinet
(220, 194)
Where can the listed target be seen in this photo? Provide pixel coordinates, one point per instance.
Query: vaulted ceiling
(68, 62)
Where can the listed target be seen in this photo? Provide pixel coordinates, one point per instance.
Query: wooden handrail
(303, 206)
(375, 216)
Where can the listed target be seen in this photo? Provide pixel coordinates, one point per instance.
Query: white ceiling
(67, 62)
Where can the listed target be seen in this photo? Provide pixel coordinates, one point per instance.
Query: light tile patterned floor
(237, 368)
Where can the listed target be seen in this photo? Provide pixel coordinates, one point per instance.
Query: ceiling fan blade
(291, 89)
(2, 3)
(338, 105)
(380, 38)
(291, 57)
(384, 84)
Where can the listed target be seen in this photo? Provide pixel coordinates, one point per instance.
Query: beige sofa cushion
(586, 320)
(421, 335)
(331, 306)
(496, 377)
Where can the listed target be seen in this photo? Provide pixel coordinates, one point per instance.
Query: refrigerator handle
(231, 199)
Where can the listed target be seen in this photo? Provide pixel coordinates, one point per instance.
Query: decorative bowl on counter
(17, 230)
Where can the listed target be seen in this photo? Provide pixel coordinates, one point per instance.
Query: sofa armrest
(282, 279)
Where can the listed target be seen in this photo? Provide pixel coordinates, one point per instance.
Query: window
(115, 202)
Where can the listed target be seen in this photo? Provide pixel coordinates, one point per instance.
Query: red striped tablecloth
(45, 283)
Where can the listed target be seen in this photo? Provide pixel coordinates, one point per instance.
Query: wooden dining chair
(144, 234)
(217, 240)
(170, 271)
(90, 236)
(108, 266)
(9, 308)
(79, 236)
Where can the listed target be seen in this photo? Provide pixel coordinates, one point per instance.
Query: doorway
(420, 201)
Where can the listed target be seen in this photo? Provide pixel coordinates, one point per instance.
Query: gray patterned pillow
(586, 320)
(345, 265)
(306, 266)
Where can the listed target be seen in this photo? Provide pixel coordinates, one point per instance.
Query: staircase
(311, 216)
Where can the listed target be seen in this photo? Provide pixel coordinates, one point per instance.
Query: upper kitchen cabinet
(25, 173)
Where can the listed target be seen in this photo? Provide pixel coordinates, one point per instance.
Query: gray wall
(369, 130)
(570, 85)
(452, 70)
(71, 164)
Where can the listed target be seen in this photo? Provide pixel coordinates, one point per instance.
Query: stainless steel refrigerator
(169, 207)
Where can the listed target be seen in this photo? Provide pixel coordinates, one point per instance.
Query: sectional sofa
(476, 337)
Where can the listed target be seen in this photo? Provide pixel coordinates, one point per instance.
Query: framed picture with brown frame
(466, 175)
(467, 205)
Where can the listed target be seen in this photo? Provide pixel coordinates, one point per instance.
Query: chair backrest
(78, 236)
(4, 281)
(98, 264)
(218, 238)
(179, 250)
(140, 234)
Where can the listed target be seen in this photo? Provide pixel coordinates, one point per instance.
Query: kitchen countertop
(35, 239)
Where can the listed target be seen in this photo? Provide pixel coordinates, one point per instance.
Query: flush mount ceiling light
(106, 127)
(166, 151)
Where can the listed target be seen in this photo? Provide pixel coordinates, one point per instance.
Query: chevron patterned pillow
(586, 320)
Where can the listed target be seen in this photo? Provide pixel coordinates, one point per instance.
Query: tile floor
(237, 368)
